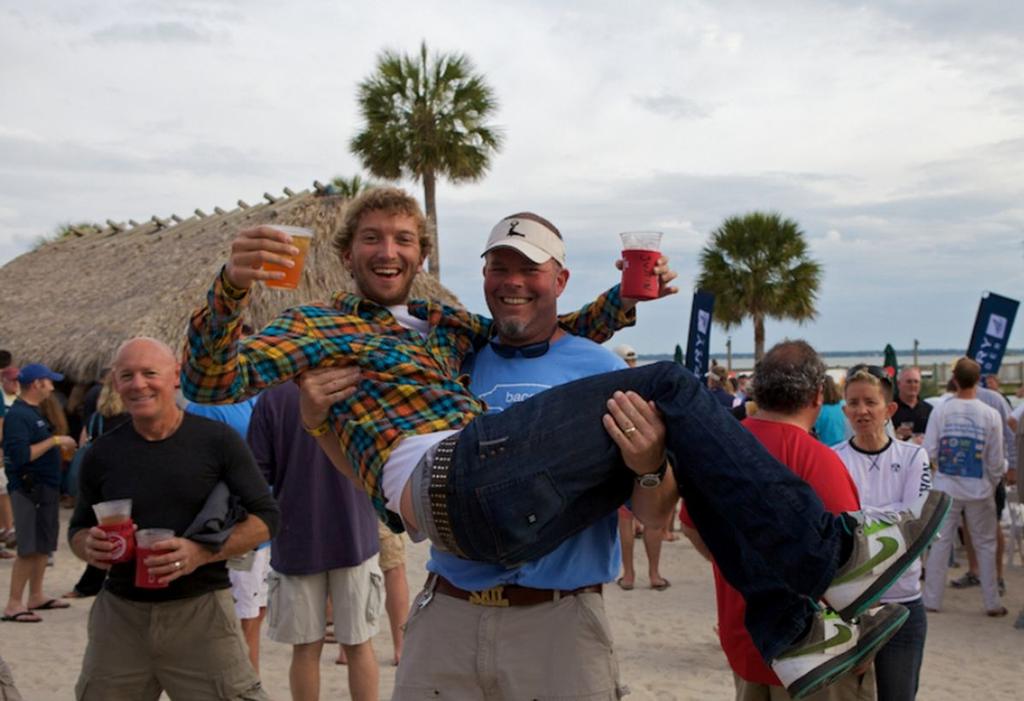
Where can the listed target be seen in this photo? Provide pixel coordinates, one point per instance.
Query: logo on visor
(512, 230)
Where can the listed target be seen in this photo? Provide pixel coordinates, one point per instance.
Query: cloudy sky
(892, 131)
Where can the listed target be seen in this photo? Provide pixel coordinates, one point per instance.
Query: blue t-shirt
(236, 416)
(830, 426)
(590, 557)
(23, 427)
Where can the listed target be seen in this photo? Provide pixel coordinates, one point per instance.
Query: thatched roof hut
(70, 303)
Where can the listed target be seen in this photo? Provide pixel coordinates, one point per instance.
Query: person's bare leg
(363, 674)
(304, 672)
(670, 530)
(21, 572)
(626, 537)
(972, 559)
(6, 515)
(396, 602)
(36, 597)
(652, 544)
(251, 632)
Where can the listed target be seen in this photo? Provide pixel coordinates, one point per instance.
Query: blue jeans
(525, 479)
(898, 663)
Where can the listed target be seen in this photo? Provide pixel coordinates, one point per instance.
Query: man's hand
(67, 443)
(665, 276)
(636, 427)
(323, 387)
(177, 557)
(251, 248)
(98, 548)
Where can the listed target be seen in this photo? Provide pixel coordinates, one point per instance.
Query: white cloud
(891, 130)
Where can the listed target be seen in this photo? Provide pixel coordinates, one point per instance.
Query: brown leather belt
(509, 594)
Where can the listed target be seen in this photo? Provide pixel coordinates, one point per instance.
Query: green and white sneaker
(883, 548)
(833, 647)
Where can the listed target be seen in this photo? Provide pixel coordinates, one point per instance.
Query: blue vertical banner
(698, 344)
(991, 331)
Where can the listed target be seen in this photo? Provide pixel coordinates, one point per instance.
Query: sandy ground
(665, 640)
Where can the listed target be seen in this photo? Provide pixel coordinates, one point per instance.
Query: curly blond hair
(392, 200)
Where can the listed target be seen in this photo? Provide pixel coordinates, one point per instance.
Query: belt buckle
(495, 596)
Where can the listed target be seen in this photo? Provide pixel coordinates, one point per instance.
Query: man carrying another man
(501, 624)
(423, 449)
(182, 637)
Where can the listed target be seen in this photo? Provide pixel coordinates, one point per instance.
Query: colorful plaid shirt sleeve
(219, 366)
(600, 319)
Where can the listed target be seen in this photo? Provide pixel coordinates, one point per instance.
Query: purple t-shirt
(326, 521)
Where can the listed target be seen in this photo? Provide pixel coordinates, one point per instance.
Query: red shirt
(820, 467)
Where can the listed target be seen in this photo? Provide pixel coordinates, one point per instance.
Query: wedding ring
(177, 565)
(629, 430)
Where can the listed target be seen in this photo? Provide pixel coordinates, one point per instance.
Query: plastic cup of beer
(640, 253)
(115, 519)
(145, 539)
(301, 238)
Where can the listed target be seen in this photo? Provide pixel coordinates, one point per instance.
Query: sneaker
(969, 579)
(883, 548)
(833, 647)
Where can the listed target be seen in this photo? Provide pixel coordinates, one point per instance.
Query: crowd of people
(526, 453)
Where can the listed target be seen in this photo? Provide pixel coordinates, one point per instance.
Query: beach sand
(665, 640)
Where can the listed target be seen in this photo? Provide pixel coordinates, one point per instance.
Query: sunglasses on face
(873, 370)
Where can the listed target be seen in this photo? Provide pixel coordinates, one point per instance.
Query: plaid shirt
(410, 384)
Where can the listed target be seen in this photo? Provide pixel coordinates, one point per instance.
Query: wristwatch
(653, 479)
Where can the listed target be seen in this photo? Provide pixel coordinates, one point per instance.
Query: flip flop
(50, 605)
(622, 584)
(661, 586)
(21, 617)
(6, 555)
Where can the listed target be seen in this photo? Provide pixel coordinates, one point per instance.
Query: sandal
(21, 617)
(621, 581)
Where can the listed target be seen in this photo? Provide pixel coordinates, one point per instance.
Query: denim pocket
(518, 509)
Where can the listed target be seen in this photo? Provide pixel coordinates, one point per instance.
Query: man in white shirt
(965, 440)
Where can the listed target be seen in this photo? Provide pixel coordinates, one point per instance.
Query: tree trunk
(430, 204)
(758, 337)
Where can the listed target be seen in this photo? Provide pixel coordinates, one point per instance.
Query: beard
(511, 331)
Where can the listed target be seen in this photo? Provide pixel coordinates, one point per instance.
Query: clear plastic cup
(145, 539)
(640, 253)
(115, 519)
(301, 238)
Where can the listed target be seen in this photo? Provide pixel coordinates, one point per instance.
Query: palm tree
(425, 117)
(350, 187)
(757, 266)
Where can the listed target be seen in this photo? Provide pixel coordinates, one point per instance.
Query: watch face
(649, 481)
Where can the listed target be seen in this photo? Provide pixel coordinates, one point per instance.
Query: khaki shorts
(392, 548)
(849, 688)
(3, 480)
(557, 650)
(297, 604)
(191, 648)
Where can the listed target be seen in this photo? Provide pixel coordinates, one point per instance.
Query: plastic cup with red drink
(115, 519)
(640, 253)
(145, 539)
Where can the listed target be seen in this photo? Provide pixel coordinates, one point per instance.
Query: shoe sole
(873, 593)
(824, 676)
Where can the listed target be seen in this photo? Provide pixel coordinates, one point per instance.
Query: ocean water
(844, 359)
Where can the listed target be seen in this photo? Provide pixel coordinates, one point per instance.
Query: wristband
(56, 441)
(317, 431)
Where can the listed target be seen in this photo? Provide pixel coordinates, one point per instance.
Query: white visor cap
(534, 240)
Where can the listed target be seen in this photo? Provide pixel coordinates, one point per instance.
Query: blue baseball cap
(37, 371)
